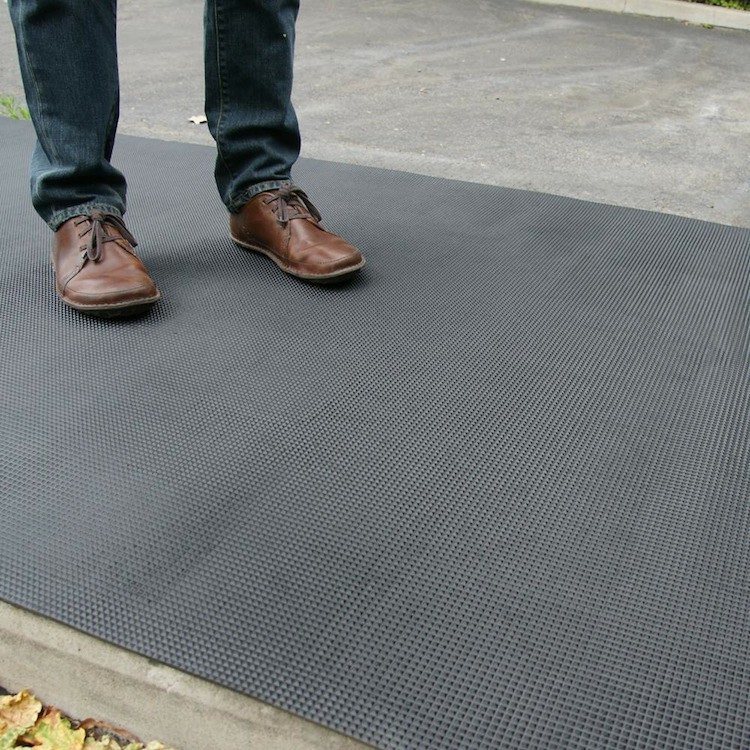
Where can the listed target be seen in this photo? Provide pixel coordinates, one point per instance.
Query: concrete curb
(679, 10)
(85, 677)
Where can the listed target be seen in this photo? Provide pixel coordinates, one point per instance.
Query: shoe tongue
(107, 229)
(296, 199)
(299, 211)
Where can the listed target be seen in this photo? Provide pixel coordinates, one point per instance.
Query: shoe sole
(317, 277)
(120, 310)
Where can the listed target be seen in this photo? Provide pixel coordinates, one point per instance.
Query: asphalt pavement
(636, 111)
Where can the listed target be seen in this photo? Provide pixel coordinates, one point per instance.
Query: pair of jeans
(67, 51)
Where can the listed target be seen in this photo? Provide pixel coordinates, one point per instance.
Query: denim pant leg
(249, 50)
(68, 57)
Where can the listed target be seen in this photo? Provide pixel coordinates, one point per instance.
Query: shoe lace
(292, 203)
(96, 235)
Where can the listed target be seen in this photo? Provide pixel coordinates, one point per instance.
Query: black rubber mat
(493, 494)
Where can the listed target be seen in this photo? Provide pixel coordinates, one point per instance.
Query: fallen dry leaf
(54, 732)
(98, 729)
(8, 739)
(18, 711)
(22, 726)
(105, 743)
(109, 743)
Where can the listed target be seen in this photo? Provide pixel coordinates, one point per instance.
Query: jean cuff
(84, 209)
(237, 202)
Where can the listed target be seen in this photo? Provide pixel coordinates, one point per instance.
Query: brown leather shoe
(284, 225)
(97, 270)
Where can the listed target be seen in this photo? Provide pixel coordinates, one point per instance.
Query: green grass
(736, 4)
(9, 107)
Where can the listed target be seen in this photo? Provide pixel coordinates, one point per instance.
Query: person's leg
(249, 55)
(249, 49)
(67, 51)
(68, 58)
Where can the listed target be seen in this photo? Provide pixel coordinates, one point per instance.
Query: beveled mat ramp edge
(85, 676)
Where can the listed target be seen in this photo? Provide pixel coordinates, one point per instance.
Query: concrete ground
(629, 110)
(84, 676)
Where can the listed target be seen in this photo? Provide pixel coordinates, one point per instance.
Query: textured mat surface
(492, 494)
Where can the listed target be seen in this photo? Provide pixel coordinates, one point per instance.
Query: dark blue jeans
(68, 57)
